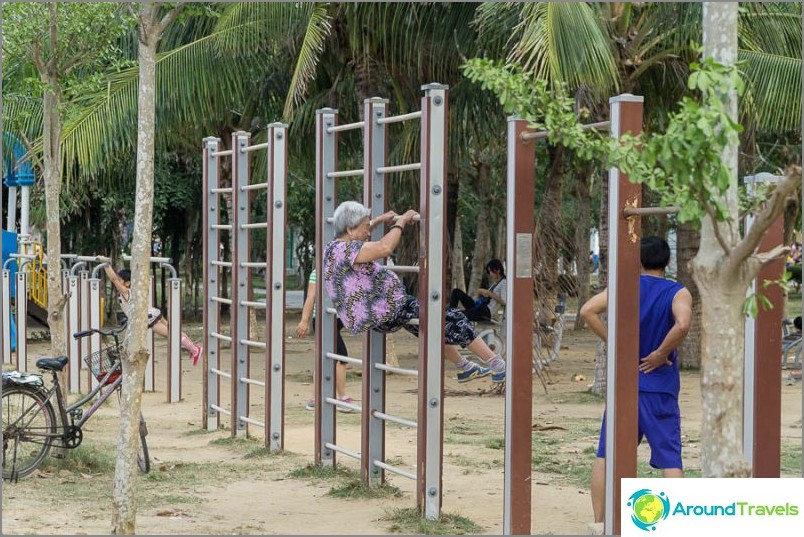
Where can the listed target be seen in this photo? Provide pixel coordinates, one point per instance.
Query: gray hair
(348, 215)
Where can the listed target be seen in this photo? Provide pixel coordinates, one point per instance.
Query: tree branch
(36, 160)
(54, 39)
(776, 253)
(763, 220)
(169, 18)
(713, 216)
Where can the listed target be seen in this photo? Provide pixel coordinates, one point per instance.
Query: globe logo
(648, 508)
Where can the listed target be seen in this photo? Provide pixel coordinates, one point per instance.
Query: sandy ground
(202, 483)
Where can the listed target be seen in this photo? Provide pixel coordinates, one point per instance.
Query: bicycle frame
(64, 411)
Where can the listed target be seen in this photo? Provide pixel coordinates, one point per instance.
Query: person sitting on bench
(489, 300)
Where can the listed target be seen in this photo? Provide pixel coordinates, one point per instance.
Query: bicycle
(31, 425)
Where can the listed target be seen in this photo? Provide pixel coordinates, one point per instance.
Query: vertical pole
(374, 187)
(211, 180)
(762, 398)
(25, 204)
(521, 172)
(22, 317)
(326, 161)
(623, 315)
(432, 231)
(174, 341)
(240, 282)
(11, 219)
(74, 323)
(6, 315)
(149, 339)
(84, 320)
(275, 293)
(94, 320)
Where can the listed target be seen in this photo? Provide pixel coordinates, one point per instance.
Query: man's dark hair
(497, 266)
(125, 275)
(655, 254)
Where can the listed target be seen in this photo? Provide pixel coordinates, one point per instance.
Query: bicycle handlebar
(111, 332)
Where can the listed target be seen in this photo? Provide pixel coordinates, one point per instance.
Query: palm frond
(196, 85)
(773, 95)
(318, 28)
(564, 43)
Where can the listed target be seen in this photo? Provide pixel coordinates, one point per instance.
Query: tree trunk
(51, 145)
(458, 277)
(722, 291)
(481, 181)
(688, 240)
(582, 236)
(548, 237)
(601, 354)
(124, 497)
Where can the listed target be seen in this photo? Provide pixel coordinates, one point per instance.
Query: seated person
(369, 296)
(489, 300)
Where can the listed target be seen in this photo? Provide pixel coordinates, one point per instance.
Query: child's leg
(340, 380)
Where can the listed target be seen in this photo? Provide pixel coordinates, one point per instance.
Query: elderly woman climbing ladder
(367, 295)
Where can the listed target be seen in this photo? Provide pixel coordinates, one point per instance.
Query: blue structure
(17, 170)
(9, 246)
(18, 173)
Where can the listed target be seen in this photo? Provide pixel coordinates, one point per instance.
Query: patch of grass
(168, 499)
(495, 443)
(356, 489)
(469, 433)
(578, 398)
(409, 521)
(197, 432)
(791, 459)
(470, 463)
(86, 459)
(303, 377)
(314, 471)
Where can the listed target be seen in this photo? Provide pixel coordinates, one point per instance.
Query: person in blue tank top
(665, 314)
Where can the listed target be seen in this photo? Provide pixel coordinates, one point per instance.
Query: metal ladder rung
(220, 373)
(401, 421)
(342, 451)
(250, 343)
(394, 469)
(342, 358)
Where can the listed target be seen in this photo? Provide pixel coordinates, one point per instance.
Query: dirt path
(204, 483)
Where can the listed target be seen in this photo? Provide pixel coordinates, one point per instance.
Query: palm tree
(645, 49)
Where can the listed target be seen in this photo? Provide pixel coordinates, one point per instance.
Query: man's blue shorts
(660, 423)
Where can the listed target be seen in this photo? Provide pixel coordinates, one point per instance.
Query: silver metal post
(431, 295)
(73, 326)
(149, 341)
(174, 337)
(326, 162)
(275, 287)
(211, 163)
(6, 315)
(375, 183)
(241, 283)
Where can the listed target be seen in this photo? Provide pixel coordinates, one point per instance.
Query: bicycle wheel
(143, 458)
(493, 341)
(29, 427)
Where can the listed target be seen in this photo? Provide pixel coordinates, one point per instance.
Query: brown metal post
(519, 329)
(768, 363)
(623, 313)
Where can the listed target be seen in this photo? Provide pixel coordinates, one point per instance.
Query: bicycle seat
(52, 364)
